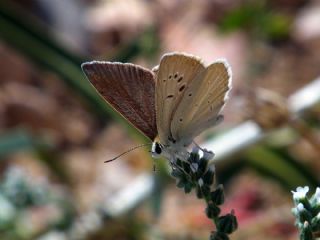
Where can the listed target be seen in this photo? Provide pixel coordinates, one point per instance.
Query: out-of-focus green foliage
(146, 45)
(21, 140)
(15, 141)
(18, 193)
(280, 166)
(259, 20)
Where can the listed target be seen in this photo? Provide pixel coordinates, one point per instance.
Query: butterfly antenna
(202, 149)
(131, 149)
(197, 145)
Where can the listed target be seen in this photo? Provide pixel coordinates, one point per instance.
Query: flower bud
(306, 232)
(188, 187)
(208, 177)
(227, 223)
(199, 192)
(217, 196)
(202, 189)
(194, 167)
(300, 196)
(194, 155)
(315, 201)
(212, 211)
(302, 213)
(203, 163)
(186, 167)
(315, 223)
(219, 236)
(176, 173)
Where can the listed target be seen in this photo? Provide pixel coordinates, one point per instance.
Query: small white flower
(200, 182)
(317, 195)
(295, 211)
(195, 149)
(300, 193)
(300, 207)
(194, 167)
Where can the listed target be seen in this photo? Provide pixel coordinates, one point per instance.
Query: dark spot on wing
(170, 96)
(190, 94)
(180, 119)
(175, 75)
(182, 88)
(170, 76)
(180, 79)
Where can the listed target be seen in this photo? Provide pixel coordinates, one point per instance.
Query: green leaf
(280, 166)
(14, 141)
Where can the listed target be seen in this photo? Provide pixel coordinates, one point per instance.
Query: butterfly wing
(129, 89)
(175, 72)
(202, 102)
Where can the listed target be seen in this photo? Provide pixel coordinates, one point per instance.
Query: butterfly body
(171, 151)
(172, 104)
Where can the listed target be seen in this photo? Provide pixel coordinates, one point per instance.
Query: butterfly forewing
(176, 71)
(129, 89)
(203, 100)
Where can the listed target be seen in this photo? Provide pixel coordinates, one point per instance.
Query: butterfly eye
(156, 150)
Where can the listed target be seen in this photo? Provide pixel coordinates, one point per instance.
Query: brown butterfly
(171, 104)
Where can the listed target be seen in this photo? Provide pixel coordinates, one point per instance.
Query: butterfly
(170, 104)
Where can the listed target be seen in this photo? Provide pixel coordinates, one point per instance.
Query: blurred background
(56, 131)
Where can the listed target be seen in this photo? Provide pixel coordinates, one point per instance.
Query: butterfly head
(160, 150)
(156, 149)
(171, 151)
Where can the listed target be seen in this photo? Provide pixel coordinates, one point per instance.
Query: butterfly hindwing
(129, 89)
(203, 101)
(176, 71)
